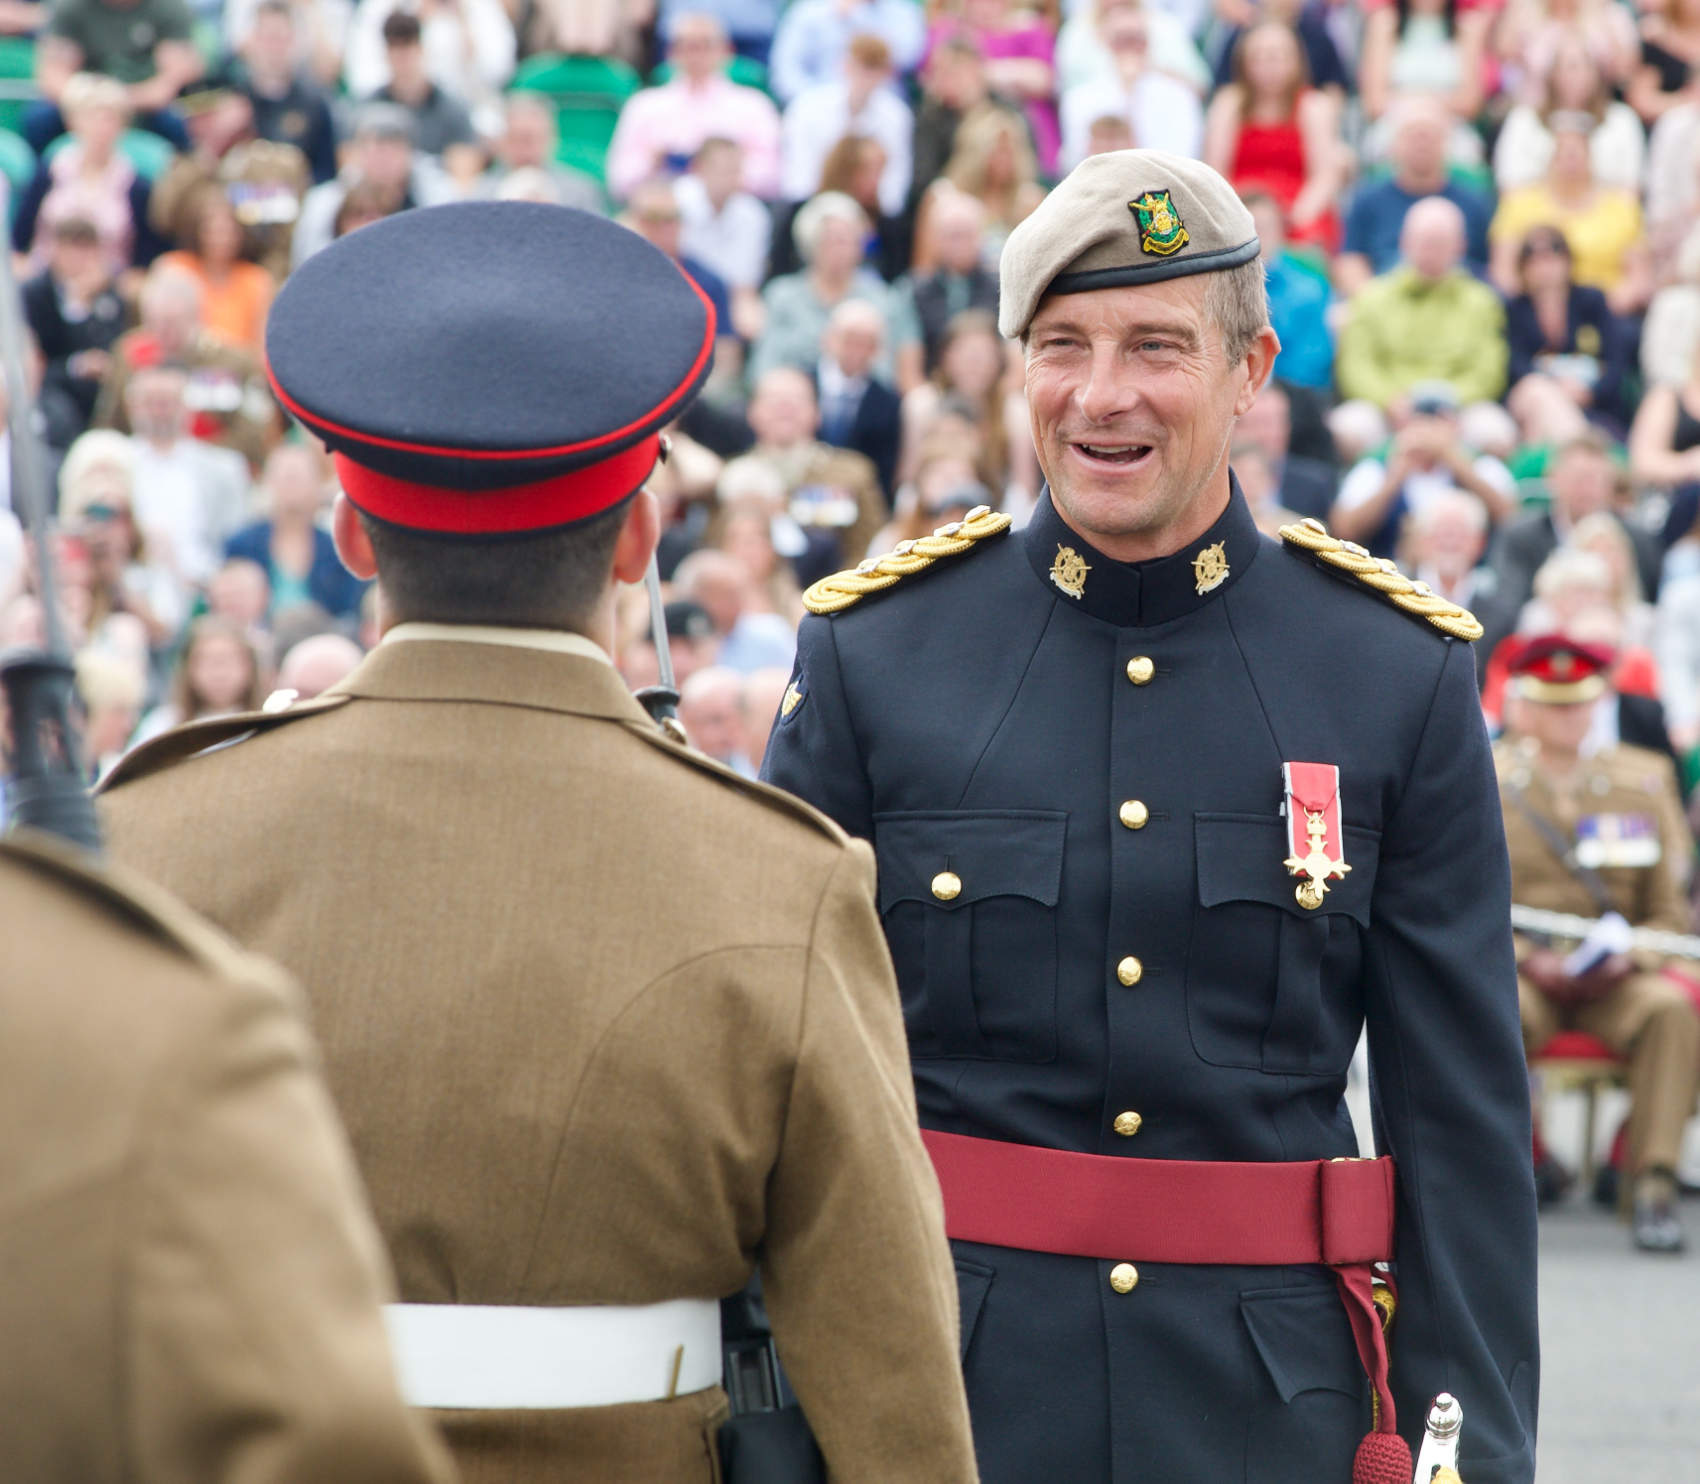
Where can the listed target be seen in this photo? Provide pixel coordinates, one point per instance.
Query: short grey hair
(815, 214)
(1236, 301)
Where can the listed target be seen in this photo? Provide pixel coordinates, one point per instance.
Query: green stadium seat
(17, 164)
(17, 79)
(588, 93)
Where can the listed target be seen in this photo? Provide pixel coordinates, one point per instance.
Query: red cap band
(519, 507)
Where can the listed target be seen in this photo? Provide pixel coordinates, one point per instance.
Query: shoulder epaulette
(1380, 575)
(201, 736)
(838, 592)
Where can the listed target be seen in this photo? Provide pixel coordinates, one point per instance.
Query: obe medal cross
(1314, 833)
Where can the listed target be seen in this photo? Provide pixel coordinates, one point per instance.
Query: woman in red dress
(1269, 128)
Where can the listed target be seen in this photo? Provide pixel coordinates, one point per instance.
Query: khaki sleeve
(1669, 909)
(256, 1349)
(856, 1271)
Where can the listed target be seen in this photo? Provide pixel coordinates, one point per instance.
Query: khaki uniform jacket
(607, 1026)
(189, 1275)
(1626, 801)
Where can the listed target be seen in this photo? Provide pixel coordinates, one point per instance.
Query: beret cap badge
(1161, 231)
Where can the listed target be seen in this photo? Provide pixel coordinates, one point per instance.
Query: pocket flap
(989, 853)
(1304, 1339)
(1241, 859)
(973, 1283)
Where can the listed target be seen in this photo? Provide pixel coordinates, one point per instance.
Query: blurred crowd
(1480, 223)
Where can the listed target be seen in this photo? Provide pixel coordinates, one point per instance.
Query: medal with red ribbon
(1314, 832)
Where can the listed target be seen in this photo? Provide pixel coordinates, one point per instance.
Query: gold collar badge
(1069, 571)
(1210, 567)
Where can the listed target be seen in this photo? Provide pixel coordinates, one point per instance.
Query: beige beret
(1129, 217)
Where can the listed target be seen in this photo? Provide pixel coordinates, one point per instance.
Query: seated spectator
(993, 162)
(1664, 442)
(1670, 334)
(814, 37)
(925, 301)
(89, 177)
(296, 552)
(1304, 485)
(711, 710)
(1257, 483)
(1676, 647)
(749, 526)
(764, 694)
(1582, 481)
(96, 505)
(945, 488)
(1299, 299)
(380, 156)
(1161, 111)
(288, 104)
(1601, 224)
(189, 495)
(1427, 320)
(973, 376)
(859, 411)
(862, 101)
(1418, 129)
(853, 168)
(1426, 459)
(1531, 33)
(1444, 542)
(1673, 183)
(661, 128)
(691, 641)
(718, 585)
(829, 232)
(1018, 46)
(833, 490)
(1670, 51)
(652, 211)
(953, 85)
(528, 141)
(218, 672)
(1270, 130)
(111, 691)
(1425, 46)
(321, 34)
(228, 399)
(1311, 20)
(442, 127)
(311, 666)
(76, 316)
(726, 228)
(146, 46)
(1568, 351)
(1617, 146)
(1604, 535)
(469, 49)
(1083, 53)
(236, 294)
(749, 24)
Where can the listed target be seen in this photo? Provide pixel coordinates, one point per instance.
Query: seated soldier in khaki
(1592, 835)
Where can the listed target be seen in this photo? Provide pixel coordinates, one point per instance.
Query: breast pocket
(969, 902)
(1270, 984)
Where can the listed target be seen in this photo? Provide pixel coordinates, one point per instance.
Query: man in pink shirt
(660, 128)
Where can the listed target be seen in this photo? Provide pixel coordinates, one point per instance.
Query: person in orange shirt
(235, 292)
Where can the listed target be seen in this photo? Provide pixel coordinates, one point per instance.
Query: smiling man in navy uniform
(1164, 813)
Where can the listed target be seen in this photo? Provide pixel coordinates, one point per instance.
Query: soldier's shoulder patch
(796, 693)
(212, 735)
(844, 589)
(1311, 538)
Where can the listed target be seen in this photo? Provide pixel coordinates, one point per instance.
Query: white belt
(470, 1355)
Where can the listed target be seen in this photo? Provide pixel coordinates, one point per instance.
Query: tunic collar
(1141, 594)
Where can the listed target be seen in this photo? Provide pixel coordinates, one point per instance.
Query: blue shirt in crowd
(1378, 212)
(1298, 309)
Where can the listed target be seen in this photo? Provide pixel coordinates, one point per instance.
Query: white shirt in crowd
(469, 48)
(733, 241)
(818, 117)
(187, 500)
(1163, 113)
(1364, 479)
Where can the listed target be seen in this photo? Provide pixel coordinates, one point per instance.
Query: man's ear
(352, 543)
(638, 538)
(1259, 362)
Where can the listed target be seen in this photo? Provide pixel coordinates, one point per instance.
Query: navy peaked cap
(489, 366)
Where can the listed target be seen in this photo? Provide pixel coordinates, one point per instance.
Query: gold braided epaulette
(836, 593)
(1415, 598)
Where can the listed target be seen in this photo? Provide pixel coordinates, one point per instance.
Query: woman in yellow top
(1602, 224)
(235, 293)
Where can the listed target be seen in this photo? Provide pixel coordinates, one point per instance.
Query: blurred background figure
(711, 710)
(291, 544)
(313, 666)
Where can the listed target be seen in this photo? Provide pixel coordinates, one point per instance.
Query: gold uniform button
(1140, 669)
(1124, 1277)
(1134, 814)
(1127, 1124)
(1130, 971)
(947, 886)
